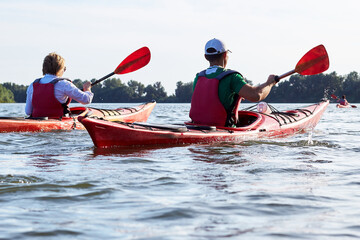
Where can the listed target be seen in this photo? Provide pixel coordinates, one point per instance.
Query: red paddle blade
(333, 96)
(313, 62)
(134, 61)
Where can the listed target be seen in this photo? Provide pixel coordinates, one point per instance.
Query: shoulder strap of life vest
(232, 113)
(37, 80)
(66, 104)
(53, 81)
(59, 79)
(221, 75)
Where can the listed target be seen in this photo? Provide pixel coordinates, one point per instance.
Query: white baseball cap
(215, 46)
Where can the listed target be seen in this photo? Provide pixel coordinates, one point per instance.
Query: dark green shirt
(229, 86)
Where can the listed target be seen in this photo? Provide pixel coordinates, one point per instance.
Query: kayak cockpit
(248, 120)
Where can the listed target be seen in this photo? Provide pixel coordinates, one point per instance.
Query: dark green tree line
(297, 89)
(312, 88)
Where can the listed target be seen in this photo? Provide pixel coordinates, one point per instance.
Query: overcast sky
(265, 37)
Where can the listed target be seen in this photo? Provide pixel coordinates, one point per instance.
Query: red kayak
(132, 114)
(342, 106)
(253, 125)
(345, 106)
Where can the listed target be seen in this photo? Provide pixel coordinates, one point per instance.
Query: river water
(58, 186)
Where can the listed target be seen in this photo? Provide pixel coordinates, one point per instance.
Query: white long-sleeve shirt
(62, 90)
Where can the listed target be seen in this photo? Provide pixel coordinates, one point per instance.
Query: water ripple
(167, 214)
(52, 233)
(59, 186)
(19, 179)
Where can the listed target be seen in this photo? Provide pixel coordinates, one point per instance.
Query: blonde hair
(53, 63)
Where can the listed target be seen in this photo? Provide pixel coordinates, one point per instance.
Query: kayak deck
(252, 125)
(130, 114)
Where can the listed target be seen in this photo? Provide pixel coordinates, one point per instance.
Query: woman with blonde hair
(50, 95)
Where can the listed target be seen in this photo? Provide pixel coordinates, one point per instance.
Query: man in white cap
(218, 91)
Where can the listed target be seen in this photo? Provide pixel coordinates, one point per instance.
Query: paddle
(313, 62)
(175, 128)
(133, 62)
(335, 97)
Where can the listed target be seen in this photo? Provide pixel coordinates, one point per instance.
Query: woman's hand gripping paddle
(133, 62)
(313, 62)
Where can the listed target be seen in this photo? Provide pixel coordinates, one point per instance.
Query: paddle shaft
(103, 78)
(277, 78)
(175, 128)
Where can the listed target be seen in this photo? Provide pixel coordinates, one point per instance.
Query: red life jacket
(343, 102)
(44, 102)
(206, 107)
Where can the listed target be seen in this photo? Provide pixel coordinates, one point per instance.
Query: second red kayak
(253, 125)
(345, 106)
(132, 114)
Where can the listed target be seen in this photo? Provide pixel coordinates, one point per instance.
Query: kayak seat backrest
(78, 110)
(246, 120)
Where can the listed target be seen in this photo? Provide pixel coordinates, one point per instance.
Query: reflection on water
(46, 162)
(58, 185)
(137, 151)
(219, 153)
